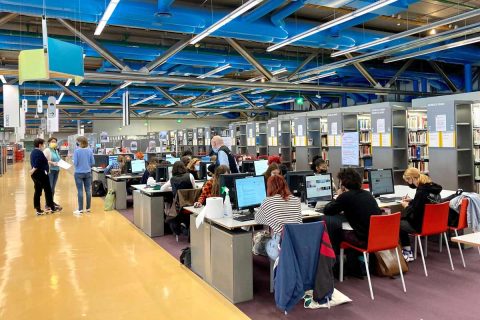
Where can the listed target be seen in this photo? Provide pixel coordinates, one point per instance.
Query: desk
(401, 191)
(99, 174)
(472, 239)
(119, 186)
(149, 209)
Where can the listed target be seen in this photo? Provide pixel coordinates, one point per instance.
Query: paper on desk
(64, 165)
(200, 218)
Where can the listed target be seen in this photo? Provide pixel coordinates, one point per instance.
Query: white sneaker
(78, 212)
(88, 210)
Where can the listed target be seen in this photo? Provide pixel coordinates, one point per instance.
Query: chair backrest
(462, 218)
(384, 232)
(435, 218)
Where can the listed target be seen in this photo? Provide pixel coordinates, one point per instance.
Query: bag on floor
(186, 257)
(98, 190)
(110, 201)
(386, 264)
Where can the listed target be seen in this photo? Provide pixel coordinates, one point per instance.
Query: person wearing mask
(53, 157)
(224, 155)
(427, 192)
(194, 167)
(211, 188)
(181, 179)
(120, 164)
(279, 207)
(83, 162)
(319, 166)
(151, 170)
(352, 205)
(39, 175)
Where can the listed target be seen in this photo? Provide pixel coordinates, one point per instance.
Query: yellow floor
(97, 266)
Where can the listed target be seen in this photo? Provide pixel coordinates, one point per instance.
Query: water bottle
(227, 206)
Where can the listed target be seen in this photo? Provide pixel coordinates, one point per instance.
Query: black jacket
(181, 182)
(426, 194)
(357, 206)
(231, 159)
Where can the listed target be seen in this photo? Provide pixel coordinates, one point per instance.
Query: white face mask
(197, 168)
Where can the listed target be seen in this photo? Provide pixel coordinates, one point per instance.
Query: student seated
(427, 192)
(187, 153)
(120, 164)
(274, 159)
(181, 179)
(151, 170)
(352, 205)
(272, 170)
(319, 166)
(280, 207)
(211, 188)
(194, 167)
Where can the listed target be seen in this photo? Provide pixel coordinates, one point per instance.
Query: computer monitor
(205, 159)
(138, 166)
(319, 187)
(98, 145)
(203, 173)
(359, 170)
(101, 160)
(228, 180)
(251, 192)
(112, 160)
(381, 182)
(260, 167)
(248, 166)
(172, 160)
(296, 182)
(161, 173)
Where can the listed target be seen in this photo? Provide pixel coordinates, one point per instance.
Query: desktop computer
(248, 166)
(381, 183)
(260, 167)
(138, 166)
(228, 180)
(161, 173)
(296, 182)
(251, 192)
(112, 160)
(203, 173)
(319, 188)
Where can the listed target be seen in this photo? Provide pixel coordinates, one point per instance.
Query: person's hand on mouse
(197, 205)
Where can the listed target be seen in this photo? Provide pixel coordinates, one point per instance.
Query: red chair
(383, 235)
(435, 221)
(462, 224)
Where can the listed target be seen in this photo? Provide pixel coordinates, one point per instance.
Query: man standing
(224, 155)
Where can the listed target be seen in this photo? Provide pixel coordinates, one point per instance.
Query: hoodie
(426, 194)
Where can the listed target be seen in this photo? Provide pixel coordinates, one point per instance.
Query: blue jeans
(84, 180)
(53, 177)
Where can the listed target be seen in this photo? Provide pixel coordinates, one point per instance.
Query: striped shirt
(276, 212)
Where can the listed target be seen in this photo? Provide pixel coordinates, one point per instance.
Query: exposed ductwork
(164, 8)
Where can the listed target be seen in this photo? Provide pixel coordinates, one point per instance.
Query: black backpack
(186, 257)
(98, 190)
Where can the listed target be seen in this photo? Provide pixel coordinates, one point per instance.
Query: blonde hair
(192, 163)
(414, 173)
(82, 141)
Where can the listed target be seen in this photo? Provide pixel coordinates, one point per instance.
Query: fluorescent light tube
(168, 112)
(106, 15)
(350, 16)
(125, 84)
(4, 81)
(214, 71)
(144, 100)
(69, 80)
(178, 86)
(229, 17)
(320, 76)
(60, 98)
(436, 49)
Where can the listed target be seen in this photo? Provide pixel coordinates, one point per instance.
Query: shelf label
(441, 123)
(376, 140)
(434, 139)
(334, 129)
(381, 125)
(448, 139)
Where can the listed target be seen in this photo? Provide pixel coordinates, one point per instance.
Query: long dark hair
(216, 179)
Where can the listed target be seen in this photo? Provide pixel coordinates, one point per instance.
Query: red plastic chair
(383, 235)
(435, 221)
(462, 224)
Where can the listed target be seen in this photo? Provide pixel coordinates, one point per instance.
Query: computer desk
(119, 186)
(99, 174)
(221, 249)
(149, 208)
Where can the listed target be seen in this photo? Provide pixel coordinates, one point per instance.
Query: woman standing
(83, 162)
(53, 158)
(39, 174)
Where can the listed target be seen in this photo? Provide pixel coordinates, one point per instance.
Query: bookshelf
(476, 145)
(285, 141)
(241, 138)
(301, 134)
(324, 138)
(272, 136)
(418, 156)
(261, 139)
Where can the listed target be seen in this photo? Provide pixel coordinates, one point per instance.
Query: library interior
(253, 159)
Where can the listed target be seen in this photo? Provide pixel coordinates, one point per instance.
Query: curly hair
(350, 179)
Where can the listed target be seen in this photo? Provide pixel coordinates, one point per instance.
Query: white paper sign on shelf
(381, 125)
(300, 130)
(250, 132)
(334, 129)
(376, 140)
(338, 140)
(448, 139)
(441, 123)
(272, 131)
(331, 140)
(227, 141)
(476, 116)
(386, 140)
(350, 149)
(434, 139)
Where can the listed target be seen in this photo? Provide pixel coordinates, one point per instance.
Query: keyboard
(246, 217)
(390, 199)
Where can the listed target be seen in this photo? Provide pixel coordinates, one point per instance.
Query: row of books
(416, 137)
(477, 187)
(476, 136)
(477, 172)
(365, 151)
(418, 152)
(364, 124)
(476, 154)
(422, 166)
(365, 137)
(324, 141)
(417, 121)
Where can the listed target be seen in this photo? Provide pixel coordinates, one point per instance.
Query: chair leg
(416, 249)
(400, 269)
(448, 250)
(423, 257)
(272, 263)
(460, 249)
(368, 275)
(426, 246)
(440, 242)
(341, 265)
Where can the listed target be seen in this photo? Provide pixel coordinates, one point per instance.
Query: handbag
(109, 204)
(386, 264)
(273, 246)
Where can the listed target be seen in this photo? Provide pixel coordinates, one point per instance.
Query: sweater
(83, 160)
(38, 160)
(206, 192)
(426, 194)
(53, 156)
(275, 212)
(357, 206)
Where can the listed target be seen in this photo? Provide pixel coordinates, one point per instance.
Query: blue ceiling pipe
(468, 77)
(164, 8)
(263, 10)
(278, 17)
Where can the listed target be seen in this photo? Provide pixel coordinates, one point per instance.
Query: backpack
(109, 204)
(186, 257)
(98, 190)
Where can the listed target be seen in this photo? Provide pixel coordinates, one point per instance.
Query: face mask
(197, 168)
(53, 145)
(411, 185)
(322, 171)
(215, 149)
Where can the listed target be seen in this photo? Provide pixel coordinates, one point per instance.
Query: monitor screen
(296, 182)
(100, 160)
(98, 145)
(162, 174)
(250, 192)
(203, 174)
(260, 167)
(319, 187)
(228, 180)
(381, 182)
(112, 160)
(172, 160)
(248, 166)
(205, 159)
(138, 166)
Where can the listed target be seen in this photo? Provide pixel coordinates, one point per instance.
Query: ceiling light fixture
(320, 76)
(126, 84)
(436, 49)
(69, 80)
(60, 98)
(2, 78)
(407, 33)
(350, 16)
(144, 100)
(106, 15)
(433, 32)
(229, 17)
